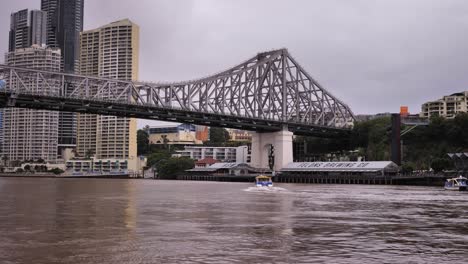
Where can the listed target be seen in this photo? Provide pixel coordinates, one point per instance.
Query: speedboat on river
(456, 184)
(263, 181)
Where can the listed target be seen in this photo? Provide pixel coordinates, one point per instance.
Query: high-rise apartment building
(64, 24)
(110, 51)
(26, 29)
(449, 106)
(31, 134)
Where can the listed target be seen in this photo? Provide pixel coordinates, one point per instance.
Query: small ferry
(456, 184)
(263, 181)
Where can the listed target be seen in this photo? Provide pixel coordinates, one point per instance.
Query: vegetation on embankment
(424, 148)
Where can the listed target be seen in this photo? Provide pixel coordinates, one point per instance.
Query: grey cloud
(373, 54)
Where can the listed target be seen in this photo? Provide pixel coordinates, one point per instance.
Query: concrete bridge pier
(281, 142)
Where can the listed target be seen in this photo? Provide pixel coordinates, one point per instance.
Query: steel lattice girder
(265, 93)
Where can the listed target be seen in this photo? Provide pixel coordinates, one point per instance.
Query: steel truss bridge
(266, 93)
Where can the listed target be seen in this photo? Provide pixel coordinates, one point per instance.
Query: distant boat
(263, 181)
(456, 184)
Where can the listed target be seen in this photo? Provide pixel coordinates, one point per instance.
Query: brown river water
(146, 221)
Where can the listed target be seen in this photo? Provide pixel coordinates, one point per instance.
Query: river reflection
(140, 221)
(55, 220)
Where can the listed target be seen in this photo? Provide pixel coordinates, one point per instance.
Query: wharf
(28, 175)
(220, 178)
(421, 180)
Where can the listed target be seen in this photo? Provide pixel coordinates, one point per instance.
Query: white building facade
(110, 51)
(449, 106)
(32, 134)
(224, 154)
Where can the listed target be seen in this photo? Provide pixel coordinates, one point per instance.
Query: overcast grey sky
(375, 55)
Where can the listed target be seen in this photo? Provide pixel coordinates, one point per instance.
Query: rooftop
(341, 166)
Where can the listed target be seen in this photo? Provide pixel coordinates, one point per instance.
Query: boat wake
(266, 189)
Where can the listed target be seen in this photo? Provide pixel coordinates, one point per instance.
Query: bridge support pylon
(279, 142)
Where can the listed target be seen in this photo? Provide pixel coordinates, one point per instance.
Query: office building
(449, 106)
(174, 134)
(27, 29)
(50, 7)
(31, 134)
(109, 51)
(64, 24)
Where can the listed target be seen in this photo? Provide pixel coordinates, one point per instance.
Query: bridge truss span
(265, 93)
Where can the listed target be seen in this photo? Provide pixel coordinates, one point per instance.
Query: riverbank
(51, 175)
(29, 175)
(410, 180)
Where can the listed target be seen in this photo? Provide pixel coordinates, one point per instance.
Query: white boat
(456, 184)
(263, 181)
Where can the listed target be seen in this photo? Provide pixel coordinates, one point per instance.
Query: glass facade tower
(64, 24)
(27, 29)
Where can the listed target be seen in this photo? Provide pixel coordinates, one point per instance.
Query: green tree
(15, 163)
(440, 164)
(89, 153)
(27, 167)
(407, 167)
(373, 136)
(457, 131)
(56, 171)
(142, 142)
(218, 136)
(156, 157)
(170, 168)
(4, 159)
(166, 141)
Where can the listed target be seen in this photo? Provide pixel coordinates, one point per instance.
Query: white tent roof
(341, 166)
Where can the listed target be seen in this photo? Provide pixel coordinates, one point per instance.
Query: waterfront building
(340, 168)
(223, 154)
(174, 134)
(101, 166)
(222, 171)
(110, 51)
(64, 24)
(27, 29)
(460, 160)
(31, 134)
(239, 135)
(206, 162)
(97, 165)
(449, 106)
